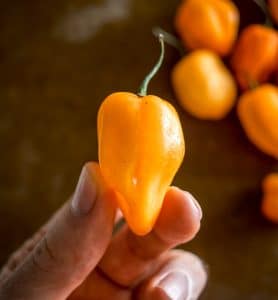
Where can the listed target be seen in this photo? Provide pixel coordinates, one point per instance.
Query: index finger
(130, 258)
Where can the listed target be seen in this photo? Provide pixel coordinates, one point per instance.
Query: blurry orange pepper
(203, 85)
(258, 114)
(273, 5)
(270, 197)
(141, 147)
(210, 24)
(255, 56)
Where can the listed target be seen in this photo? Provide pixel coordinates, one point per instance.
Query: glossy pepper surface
(255, 56)
(258, 114)
(270, 197)
(141, 147)
(209, 24)
(203, 85)
(273, 5)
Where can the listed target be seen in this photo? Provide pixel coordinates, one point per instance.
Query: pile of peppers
(140, 138)
(207, 88)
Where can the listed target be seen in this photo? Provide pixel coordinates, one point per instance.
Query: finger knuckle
(43, 256)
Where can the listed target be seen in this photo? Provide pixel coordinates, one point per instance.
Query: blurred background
(59, 60)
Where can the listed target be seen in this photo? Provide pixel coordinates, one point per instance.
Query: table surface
(58, 62)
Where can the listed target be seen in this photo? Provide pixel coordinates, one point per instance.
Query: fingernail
(175, 286)
(85, 194)
(196, 205)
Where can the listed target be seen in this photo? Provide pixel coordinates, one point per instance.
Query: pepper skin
(255, 56)
(258, 114)
(273, 7)
(141, 147)
(270, 197)
(209, 24)
(204, 86)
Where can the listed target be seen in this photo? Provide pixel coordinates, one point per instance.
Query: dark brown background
(52, 82)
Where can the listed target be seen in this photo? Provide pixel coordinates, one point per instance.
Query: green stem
(144, 86)
(263, 6)
(170, 40)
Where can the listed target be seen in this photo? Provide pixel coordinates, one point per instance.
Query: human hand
(74, 256)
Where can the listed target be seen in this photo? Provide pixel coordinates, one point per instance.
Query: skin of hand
(76, 256)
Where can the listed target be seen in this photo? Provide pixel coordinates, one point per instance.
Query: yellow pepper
(258, 114)
(203, 85)
(141, 147)
(270, 197)
(209, 24)
(255, 55)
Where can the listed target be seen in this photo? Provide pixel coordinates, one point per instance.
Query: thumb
(72, 246)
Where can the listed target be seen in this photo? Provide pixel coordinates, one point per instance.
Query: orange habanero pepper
(141, 147)
(209, 24)
(258, 114)
(270, 197)
(273, 6)
(255, 56)
(203, 85)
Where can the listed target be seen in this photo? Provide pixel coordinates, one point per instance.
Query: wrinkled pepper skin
(273, 5)
(141, 147)
(209, 24)
(258, 114)
(255, 56)
(270, 197)
(204, 86)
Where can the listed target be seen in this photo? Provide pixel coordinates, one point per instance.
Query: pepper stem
(263, 6)
(170, 39)
(144, 85)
